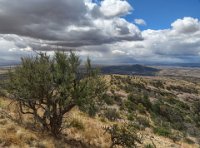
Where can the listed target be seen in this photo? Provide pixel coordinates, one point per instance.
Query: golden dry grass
(14, 135)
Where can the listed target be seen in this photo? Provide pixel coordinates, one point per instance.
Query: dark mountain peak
(136, 69)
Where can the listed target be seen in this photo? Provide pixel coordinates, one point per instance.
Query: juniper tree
(48, 88)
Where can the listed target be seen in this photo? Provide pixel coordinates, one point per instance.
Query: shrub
(175, 137)
(171, 100)
(136, 98)
(118, 99)
(146, 101)
(162, 131)
(123, 107)
(196, 107)
(144, 121)
(131, 116)
(183, 88)
(141, 108)
(171, 114)
(54, 86)
(140, 98)
(149, 146)
(125, 135)
(112, 114)
(196, 118)
(108, 99)
(156, 107)
(76, 123)
(157, 84)
(178, 125)
(196, 112)
(183, 105)
(178, 103)
(130, 105)
(140, 122)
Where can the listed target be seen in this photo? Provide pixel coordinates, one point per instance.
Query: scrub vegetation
(60, 102)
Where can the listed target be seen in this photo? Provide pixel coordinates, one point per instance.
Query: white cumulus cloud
(179, 44)
(113, 8)
(186, 25)
(140, 22)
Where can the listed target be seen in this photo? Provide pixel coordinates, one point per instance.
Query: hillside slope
(162, 109)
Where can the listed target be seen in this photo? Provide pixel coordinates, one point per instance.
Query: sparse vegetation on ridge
(163, 116)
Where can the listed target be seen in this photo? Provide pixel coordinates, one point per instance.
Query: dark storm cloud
(90, 38)
(40, 18)
(50, 21)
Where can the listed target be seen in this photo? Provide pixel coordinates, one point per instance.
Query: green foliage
(54, 86)
(136, 98)
(131, 116)
(178, 126)
(130, 106)
(76, 123)
(185, 89)
(117, 99)
(157, 84)
(146, 101)
(141, 108)
(2, 92)
(140, 122)
(108, 99)
(196, 107)
(112, 114)
(162, 131)
(143, 121)
(196, 112)
(178, 103)
(183, 105)
(125, 135)
(175, 137)
(149, 146)
(196, 118)
(169, 113)
(139, 102)
(141, 98)
(3, 82)
(156, 107)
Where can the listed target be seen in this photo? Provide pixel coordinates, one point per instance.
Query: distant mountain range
(129, 70)
(192, 65)
(136, 69)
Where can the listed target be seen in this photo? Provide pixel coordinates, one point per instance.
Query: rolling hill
(130, 70)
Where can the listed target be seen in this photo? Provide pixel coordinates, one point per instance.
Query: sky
(159, 14)
(108, 31)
